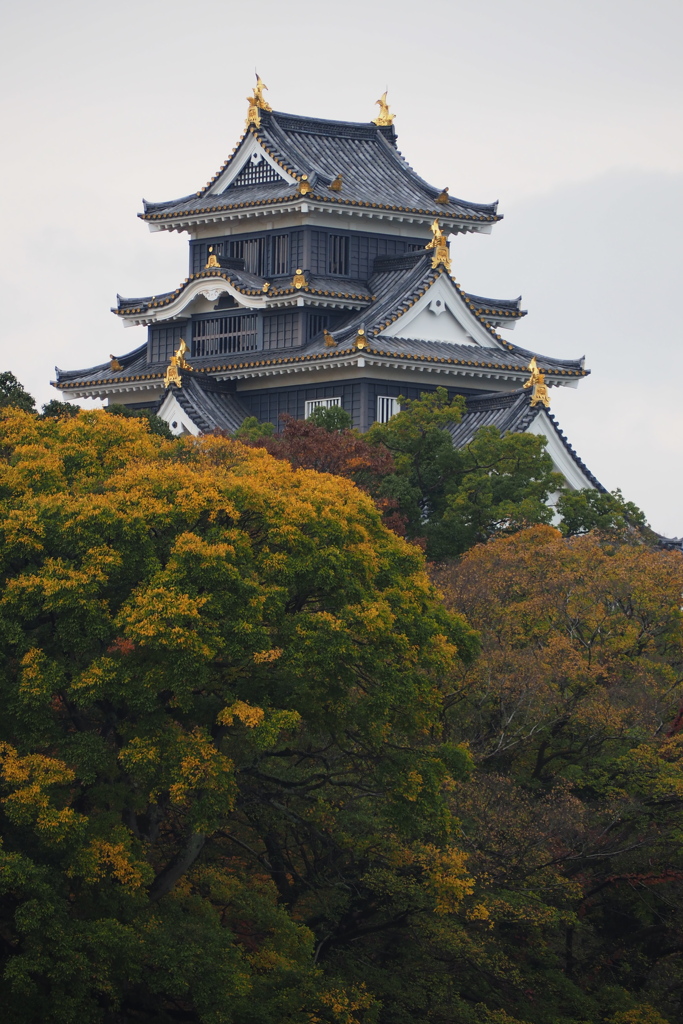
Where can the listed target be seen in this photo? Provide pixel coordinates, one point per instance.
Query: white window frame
(320, 403)
(387, 407)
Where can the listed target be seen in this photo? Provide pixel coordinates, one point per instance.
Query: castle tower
(320, 274)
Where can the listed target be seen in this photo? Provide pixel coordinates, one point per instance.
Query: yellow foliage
(265, 657)
(448, 880)
(643, 1014)
(101, 858)
(247, 714)
(344, 1004)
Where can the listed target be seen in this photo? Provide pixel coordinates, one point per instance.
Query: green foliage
(57, 409)
(456, 498)
(221, 775)
(13, 394)
(333, 418)
(252, 430)
(587, 510)
(155, 423)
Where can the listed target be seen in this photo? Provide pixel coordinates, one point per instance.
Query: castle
(320, 274)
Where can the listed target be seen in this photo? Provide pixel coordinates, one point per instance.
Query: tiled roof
(496, 309)
(373, 173)
(393, 291)
(132, 364)
(396, 290)
(250, 285)
(511, 413)
(210, 404)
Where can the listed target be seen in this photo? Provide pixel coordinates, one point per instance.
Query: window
(281, 330)
(253, 252)
(224, 334)
(316, 323)
(386, 408)
(256, 172)
(321, 403)
(338, 255)
(279, 255)
(163, 341)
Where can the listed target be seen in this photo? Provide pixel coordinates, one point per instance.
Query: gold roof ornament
(176, 363)
(360, 341)
(304, 186)
(114, 364)
(328, 339)
(439, 244)
(266, 286)
(540, 394)
(335, 186)
(299, 279)
(384, 119)
(443, 196)
(212, 260)
(257, 102)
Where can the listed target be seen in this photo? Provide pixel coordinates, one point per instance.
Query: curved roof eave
(275, 135)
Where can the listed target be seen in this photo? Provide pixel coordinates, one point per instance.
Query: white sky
(568, 112)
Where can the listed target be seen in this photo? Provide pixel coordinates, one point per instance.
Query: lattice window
(162, 342)
(321, 403)
(279, 255)
(316, 323)
(261, 173)
(281, 330)
(338, 255)
(253, 251)
(386, 408)
(224, 334)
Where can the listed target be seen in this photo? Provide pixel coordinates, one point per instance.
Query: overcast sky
(569, 113)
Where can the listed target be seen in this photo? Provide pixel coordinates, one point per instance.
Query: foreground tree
(221, 682)
(575, 812)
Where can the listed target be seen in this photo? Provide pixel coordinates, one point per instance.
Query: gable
(441, 315)
(563, 461)
(175, 416)
(251, 165)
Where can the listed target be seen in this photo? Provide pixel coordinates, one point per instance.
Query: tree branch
(176, 868)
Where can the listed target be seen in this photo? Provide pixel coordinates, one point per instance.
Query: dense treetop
(220, 678)
(256, 769)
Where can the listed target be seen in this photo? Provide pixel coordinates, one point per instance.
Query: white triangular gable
(441, 315)
(178, 421)
(251, 152)
(562, 458)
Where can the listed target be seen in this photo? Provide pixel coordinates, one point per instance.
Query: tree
(253, 430)
(13, 394)
(58, 409)
(220, 773)
(326, 443)
(575, 811)
(455, 498)
(333, 418)
(586, 510)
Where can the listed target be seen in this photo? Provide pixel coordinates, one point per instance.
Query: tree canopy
(220, 767)
(574, 814)
(255, 768)
(13, 394)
